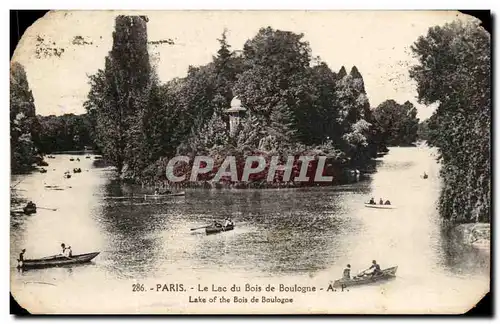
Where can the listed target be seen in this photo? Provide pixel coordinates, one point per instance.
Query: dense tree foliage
(291, 106)
(424, 130)
(398, 123)
(454, 71)
(24, 127)
(68, 132)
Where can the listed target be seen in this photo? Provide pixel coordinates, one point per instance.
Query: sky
(376, 42)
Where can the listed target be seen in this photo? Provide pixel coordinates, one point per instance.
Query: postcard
(251, 162)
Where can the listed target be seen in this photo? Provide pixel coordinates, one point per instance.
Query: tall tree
(355, 118)
(454, 71)
(24, 126)
(324, 114)
(120, 93)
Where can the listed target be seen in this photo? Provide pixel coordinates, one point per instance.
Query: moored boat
(379, 206)
(182, 193)
(176, 194)
(56, 260)
(217, 229)
(355, 281)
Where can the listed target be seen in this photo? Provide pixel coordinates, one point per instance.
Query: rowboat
(380, 206)
(29, 210)
(177, 194)
(56, 261)
(216, 229)
(355, 281)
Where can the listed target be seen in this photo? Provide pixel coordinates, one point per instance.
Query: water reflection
(284, 233)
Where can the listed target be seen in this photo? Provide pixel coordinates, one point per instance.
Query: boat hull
(215, 230)
(57, 261)
(356, 281)
(380, 206)
(177, 194)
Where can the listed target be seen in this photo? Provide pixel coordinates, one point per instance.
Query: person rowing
(387, 202)
(228, 222)
(375, 267)
(347, 272)
(31, 205)
(372, 201)
(217, 224)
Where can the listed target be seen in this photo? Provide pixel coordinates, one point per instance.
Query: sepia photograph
(251, 162)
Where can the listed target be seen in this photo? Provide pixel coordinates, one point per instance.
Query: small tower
(235, 113)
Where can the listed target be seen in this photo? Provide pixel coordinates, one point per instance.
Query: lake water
(291, 236)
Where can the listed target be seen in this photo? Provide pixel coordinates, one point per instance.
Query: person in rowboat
(381, 201)
(387, 202)
(217, 224)
(347, 272)
(376, 268)
(70, 253)
(372, 201)
(21, 255)
(20, 261)
(31, 205)
(63, 247)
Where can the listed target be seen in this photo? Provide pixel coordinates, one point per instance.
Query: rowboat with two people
(66, 258)
(56, 261)
(217, 227)
(381, 205)
(366, 276)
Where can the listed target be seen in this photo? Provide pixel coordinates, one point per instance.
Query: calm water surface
(302, 236)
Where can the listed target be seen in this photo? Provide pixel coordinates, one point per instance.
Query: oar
(53, 209)
(197, 228)
(12, 187)
(362, 272)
